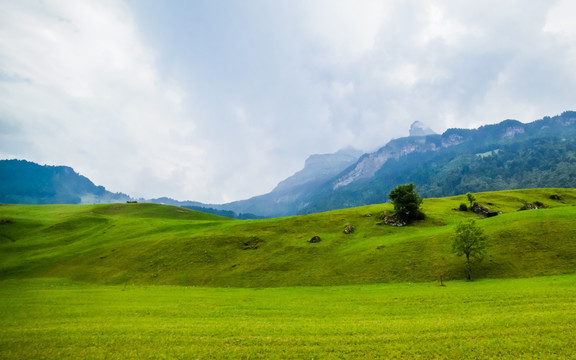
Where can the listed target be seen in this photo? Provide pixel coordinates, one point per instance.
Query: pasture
(504, 318)
(146, 281)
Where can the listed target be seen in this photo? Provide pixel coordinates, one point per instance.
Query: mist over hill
(503, 156)
(25, 182)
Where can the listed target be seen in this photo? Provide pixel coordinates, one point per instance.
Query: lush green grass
(504, 319)
(98, 282)
(155, 244)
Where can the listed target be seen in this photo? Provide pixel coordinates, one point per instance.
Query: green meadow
(505, 319)
(151, 281)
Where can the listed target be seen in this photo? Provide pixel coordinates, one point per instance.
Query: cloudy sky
(219, 100)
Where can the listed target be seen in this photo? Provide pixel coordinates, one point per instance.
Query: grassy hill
(156, 244)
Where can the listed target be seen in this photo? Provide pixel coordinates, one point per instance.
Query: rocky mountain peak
(418, 128)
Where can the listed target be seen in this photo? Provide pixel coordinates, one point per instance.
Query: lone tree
(470, 241)
(406, 203)
(471, 198)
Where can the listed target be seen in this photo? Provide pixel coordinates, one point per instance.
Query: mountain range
(503, 156)
(507, 155)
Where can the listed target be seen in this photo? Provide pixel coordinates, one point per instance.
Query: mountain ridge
(358, 185)
(439, 163)
(25, 182)
(502, 156)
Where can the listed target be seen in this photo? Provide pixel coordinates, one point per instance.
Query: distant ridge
(24, 182)
(504, 156)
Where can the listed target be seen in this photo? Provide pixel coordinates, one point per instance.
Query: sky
(219, 100)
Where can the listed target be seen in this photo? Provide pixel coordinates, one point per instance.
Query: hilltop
(159, 244)
(25, 182)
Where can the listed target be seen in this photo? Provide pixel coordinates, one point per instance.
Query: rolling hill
(159, 244)
(25, 182)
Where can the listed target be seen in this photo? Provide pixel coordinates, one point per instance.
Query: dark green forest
(543, 155)
(24, 182)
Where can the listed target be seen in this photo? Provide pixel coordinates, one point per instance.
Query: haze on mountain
(507, 155)
(220, 101)
(418, 128)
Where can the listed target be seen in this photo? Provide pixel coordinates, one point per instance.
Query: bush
(463, 207)
(406, 203)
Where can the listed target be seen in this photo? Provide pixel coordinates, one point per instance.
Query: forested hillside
(25, 182)
(508, 155)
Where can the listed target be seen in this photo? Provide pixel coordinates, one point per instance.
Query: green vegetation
(155, 244)
(406, 203)
(469, 241)
(542, 155)
(471, 199)
(25, 182)
(96, 281)
(498, 319)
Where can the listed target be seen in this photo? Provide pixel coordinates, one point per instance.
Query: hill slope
(155, 244)
(25, 182)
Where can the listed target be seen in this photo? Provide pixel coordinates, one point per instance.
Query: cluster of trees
(469, 239)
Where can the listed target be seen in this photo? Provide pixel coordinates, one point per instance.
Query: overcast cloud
(220, 100)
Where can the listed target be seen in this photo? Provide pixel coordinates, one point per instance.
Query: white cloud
(560, 19)
(345, 30)
(93, 99)
(439, 26)
(201, 101)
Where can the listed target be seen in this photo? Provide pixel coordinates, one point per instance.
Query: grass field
(145, 281)
(163, 245)
(504, 319)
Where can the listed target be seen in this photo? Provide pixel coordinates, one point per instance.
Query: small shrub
(463, 207)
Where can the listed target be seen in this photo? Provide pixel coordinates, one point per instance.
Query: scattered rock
(554, 197)
(368, 215)
(533, 206)
(348, 229)
(392, 220)
(5, 221)
(481, 210)
(315, 239)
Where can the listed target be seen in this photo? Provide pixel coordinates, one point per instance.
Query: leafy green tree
(471, 242)
(406, 203)
(471, 199)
